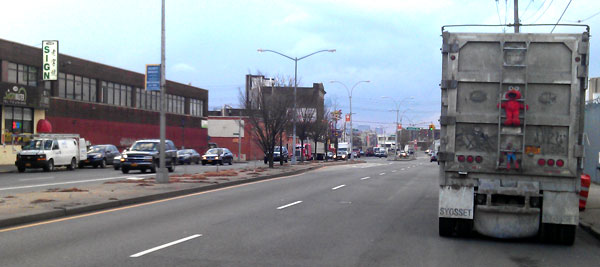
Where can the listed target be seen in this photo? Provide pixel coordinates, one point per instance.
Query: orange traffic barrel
(586, 181)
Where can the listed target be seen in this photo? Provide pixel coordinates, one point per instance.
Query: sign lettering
(50, 60)
(152, 81)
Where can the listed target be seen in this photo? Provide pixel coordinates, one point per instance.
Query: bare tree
(305, 120)
(319, 132)
(268, 122)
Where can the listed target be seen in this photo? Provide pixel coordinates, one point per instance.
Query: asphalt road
(372, 214)
(35, 180)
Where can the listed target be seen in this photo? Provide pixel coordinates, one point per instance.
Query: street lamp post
(350, 98)
(397, 104)
(295, 59)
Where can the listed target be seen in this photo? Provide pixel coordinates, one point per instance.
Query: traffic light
(431, 127)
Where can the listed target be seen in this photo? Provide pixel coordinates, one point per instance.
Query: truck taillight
(478, 159)
(470, 159)
(541, 162)
(461, 158)
(550, 162)
(560, 163)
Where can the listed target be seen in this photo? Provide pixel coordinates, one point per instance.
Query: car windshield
(277, 149)
(96, 149)
(217, 151)
(38, 145)
(144, 146)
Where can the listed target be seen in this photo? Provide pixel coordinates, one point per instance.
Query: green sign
(413, 128)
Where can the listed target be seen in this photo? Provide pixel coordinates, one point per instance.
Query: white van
(47, 151)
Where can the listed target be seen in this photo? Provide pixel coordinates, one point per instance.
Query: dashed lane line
(164, 246)
(365, 178)
(289, 205)
(338, 187)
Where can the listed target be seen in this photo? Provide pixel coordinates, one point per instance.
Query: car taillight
(560, 163)
(461, 158)
(550, 162)
(470, 159)
(541, 162)
(478, 159)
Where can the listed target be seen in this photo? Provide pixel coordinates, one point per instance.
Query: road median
(24, 208)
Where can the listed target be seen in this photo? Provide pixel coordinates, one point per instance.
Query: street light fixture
(350, 97)
(397, 104)
(295, 59)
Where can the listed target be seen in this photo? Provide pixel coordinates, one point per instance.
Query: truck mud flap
(456, 202)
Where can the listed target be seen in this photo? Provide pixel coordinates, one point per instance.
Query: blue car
(100, 156)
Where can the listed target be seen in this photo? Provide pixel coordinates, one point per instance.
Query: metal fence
(591, 140)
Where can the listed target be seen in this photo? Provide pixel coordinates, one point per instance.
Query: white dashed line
(393, 170)
(338, 187)
(365, 178)
(402, 169)
(164, 246)
(289, 205)
(383, 173)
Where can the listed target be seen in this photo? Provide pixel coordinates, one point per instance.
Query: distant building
(363, 128)
(379, 130)
(593, 89)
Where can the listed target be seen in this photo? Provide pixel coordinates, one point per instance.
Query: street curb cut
(594, 231)
(64, 212)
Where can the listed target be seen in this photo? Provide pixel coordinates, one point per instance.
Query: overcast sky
(213, 44)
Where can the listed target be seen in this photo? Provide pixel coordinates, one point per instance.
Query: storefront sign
(50, 60)
(25, 96)
(17, 95)
(152, 80)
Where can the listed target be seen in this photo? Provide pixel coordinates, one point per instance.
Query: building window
(18, 120)
(116, 94)
(76, 87)
(22, 74)
(196, 107)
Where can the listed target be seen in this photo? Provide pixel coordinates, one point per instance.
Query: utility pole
(516, 16)
(162, 176)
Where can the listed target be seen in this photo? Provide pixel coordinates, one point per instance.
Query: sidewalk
(589, 219)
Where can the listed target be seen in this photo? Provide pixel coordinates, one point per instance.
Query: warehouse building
(104, 104)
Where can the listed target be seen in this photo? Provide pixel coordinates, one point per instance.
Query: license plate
(87, 161)
(27, 164)
(210, 160)
(133, 164)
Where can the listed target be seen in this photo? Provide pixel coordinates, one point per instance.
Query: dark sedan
(100, 156)
(188, 156)
(217, 155)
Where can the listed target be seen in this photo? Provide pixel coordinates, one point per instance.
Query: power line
(527, 7)
(582, 20)
(498, 12)
(536, 11)
(548, 7)
(561, 15)
(505, 11)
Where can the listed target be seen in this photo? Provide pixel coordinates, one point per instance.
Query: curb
(69, 211)
(593, 230)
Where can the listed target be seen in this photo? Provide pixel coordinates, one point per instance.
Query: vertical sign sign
(50, 60)
(152, 81)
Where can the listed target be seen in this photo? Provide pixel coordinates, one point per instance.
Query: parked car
(188, 156)
(117, 162)
(329, 155)
(144, 155)
(100, 156)
(403, 154)
(433, 157)
(341, 155)
(277, 154)
(49, 150)
(218, 155)
(362, 153)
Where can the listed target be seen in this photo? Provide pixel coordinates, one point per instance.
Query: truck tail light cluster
(470, 159)
(551, 162)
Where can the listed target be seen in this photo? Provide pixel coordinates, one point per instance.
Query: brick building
(103, 104)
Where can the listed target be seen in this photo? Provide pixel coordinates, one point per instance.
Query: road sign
(399, 126)
(50, 60)
(152, 80)
(347, 117)
(413, 128)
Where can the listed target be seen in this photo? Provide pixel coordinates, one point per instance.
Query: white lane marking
(338, 187)
(37, 178)
(72, 182)
(135, 178)
(365, 178)
(393, 170)
(383, 173)
(390, 163)
(289, 205)
(164, 246)
(402, 169)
